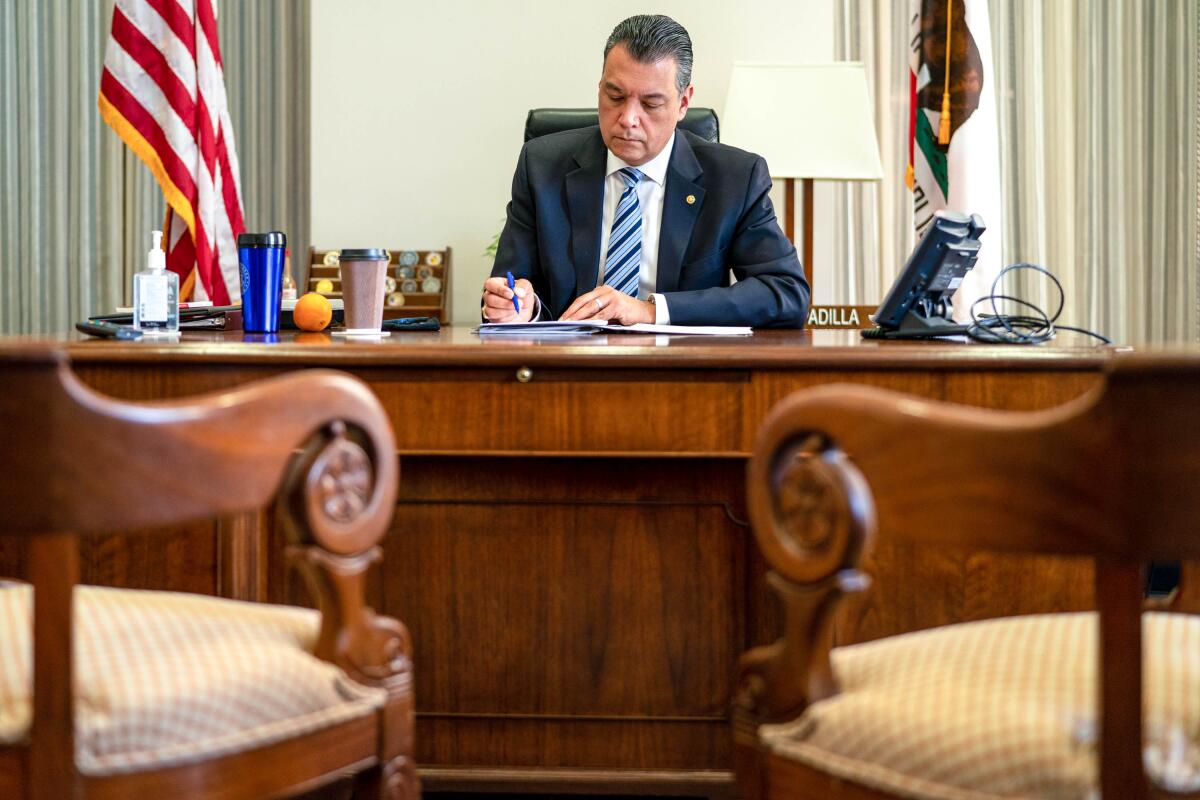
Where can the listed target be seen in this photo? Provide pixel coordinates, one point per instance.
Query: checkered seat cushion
(164, 679)
(996, 709)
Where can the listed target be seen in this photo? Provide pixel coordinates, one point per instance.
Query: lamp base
(789, 221)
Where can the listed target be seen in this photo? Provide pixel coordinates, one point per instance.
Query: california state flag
(954, 150)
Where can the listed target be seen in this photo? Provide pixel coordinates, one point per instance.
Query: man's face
(639, 106)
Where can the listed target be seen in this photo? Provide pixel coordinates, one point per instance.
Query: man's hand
(498, 304)
(605, 302)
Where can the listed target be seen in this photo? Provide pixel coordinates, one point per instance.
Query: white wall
(418, 108)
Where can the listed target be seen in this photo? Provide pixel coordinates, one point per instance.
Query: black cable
(1037, 328)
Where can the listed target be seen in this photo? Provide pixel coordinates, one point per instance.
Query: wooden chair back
(318, 444)
(1111, 475)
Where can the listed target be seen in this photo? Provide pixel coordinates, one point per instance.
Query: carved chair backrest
(317, 443)
(76, 461)
(1111, 475)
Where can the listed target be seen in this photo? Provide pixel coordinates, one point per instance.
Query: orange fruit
(312, 312)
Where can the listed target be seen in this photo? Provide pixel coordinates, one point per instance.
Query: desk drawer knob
(524, 374)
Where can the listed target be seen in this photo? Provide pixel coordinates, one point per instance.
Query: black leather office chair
(541, 121)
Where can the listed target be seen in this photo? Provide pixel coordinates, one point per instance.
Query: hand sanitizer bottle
(156, 294)
(289, 283)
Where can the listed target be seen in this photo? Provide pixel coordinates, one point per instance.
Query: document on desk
(682, 330)
(584, 327)
(549, 328)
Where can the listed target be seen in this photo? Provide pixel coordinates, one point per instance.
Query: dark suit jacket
(552, 234)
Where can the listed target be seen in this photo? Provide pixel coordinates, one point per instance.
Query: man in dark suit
(635, 221)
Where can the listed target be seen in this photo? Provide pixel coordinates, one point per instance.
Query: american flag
(163, 92)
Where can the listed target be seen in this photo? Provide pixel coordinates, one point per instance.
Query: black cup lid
(272, 239)
(364, 254)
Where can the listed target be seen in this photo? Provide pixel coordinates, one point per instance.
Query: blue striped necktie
(623, 264)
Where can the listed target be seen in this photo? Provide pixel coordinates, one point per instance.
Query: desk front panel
(571, 554)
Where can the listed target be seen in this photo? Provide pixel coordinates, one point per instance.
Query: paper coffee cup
(363, 274)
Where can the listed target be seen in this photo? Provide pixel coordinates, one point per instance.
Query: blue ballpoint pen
(511, 285)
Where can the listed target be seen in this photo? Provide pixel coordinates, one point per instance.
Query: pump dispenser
(156, 293)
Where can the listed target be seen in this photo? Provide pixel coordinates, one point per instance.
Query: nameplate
(850, 317)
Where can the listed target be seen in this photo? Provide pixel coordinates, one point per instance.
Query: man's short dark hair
(653, 37)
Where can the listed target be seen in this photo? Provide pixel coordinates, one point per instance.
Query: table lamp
(809, 121)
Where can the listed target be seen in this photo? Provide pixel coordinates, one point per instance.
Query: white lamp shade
(806, 120)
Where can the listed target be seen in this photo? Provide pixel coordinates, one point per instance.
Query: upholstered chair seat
(1000, 708)
(165, 679)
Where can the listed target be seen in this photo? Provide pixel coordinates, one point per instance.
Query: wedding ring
(599, 305)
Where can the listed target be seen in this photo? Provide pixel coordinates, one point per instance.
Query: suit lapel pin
(691, 198)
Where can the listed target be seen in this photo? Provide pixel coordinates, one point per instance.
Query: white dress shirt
(650, 191)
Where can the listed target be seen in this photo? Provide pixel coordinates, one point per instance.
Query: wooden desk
(570, 547)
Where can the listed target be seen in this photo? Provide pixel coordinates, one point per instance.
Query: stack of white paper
(582, 327)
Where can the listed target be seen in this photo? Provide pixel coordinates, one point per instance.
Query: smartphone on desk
(107, 330)
(412, 324)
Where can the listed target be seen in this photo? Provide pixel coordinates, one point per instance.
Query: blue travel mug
(260, 256)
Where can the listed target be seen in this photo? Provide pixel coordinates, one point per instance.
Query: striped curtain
(62, 177)
(1099, 113)
(874, 221)
(77, 207)
(265, 47)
